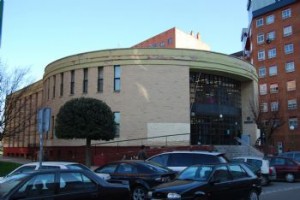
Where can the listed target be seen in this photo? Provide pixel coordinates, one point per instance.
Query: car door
(76, 185)
(221, 184)
(125, 172)
(279, 164)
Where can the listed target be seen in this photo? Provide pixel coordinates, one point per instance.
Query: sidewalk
(13, 159)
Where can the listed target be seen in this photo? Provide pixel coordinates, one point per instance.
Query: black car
(61, 184)
(141, 175)
(210, 182)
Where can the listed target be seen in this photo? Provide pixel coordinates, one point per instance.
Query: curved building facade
(196, 95)
(158, 96)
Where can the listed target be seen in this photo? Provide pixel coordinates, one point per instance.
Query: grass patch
(6, 167)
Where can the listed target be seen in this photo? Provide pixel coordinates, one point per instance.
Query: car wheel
(139, 193)
(252, 195)
(289, 177)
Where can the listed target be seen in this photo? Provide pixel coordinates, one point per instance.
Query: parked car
(291, 154)
(142, 175)
(268, 173)
(49, 165)
(212, 182)
(179, 160)
(286, 168)
(61, 184)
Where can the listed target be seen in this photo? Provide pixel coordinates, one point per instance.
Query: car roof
(51, 163)
(215, 153)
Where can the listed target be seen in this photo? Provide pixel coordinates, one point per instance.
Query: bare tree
(12, 101)
(268, 122)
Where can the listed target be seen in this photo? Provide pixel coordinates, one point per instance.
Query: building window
(288, 48)
(287, 31)
(72, 83)
(291, 85)
(290, 66)
(262, 72)
(270, 19)
(274, 88)
(100, 80)
(117, 78)
(271, 35)
(264, 107)
(261, 55)
(292, 104)
(259, 22)
(273, 70)
(272, 53)
(117, 116)
(54, 87)
(274, 106)
(61, 92)
(260, 38)
(286, 13)
(48, 89)
(85, 81)
(293, 121)
(263, 89)
(162, 44)
(170, 41)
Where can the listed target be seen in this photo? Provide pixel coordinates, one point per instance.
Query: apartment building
(272, 44)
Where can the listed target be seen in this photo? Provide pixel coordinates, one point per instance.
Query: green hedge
(6, 167)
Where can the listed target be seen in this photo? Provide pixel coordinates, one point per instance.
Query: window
(272, 53)
(170, 41)
(271, 35)
(259, 22)
(264, 107)
(288, 48)
(48, 88)
(273, 70)
(274, 106)
(237, 172)
(260, 38)
(293, 122)
(261, 55)
(117, 123)
(286, 13)
(85, 81)
(100, 80)
(290, 66)
(263, 89)
(72, 83)
(274, 88)
(54, 87)
(61, 92)
(262, 71)
(287, 31)
(291, 85)
(162, 44)
(292, 104)
(270, 19)
(117, 78)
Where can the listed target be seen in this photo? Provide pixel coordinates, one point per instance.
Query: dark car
(179, 160)
(141, 175)
(286, 168)
(61, 184)
(211, 182)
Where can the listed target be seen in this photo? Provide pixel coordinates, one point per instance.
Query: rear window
(255, 162)
(188, 159)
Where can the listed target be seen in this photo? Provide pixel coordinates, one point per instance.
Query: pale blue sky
(38, 32)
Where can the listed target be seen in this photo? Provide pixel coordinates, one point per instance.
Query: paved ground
(13, 159)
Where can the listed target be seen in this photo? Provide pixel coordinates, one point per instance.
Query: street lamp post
(292, 127)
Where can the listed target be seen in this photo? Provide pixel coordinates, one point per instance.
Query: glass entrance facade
(215, 109)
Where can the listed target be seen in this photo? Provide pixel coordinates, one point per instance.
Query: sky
(38, 32)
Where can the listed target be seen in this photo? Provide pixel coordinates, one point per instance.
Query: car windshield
(196, 173)
(10, 182)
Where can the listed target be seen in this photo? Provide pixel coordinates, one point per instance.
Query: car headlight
(149, 194)
(173, 196)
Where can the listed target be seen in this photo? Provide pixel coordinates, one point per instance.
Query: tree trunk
(88, 153)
